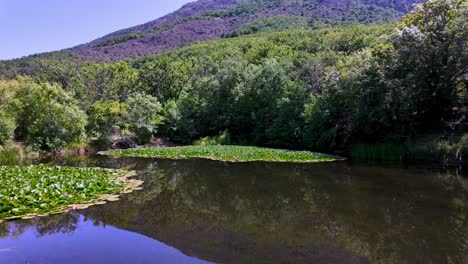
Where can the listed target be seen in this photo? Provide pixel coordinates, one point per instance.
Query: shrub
(224, 138)
(48, 117)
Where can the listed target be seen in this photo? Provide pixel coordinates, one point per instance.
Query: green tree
(106, 118)
(287, 126)
(7, 116)
(48, 117)
(165, 78)
(433, 59)
(144, 116)
(112, 82)
(7, 127)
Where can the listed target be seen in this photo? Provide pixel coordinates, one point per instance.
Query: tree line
(322, 89)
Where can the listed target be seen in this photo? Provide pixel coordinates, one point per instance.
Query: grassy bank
(225, 153)
(30, 191)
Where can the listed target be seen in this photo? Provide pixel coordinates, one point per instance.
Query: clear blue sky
(34, 26)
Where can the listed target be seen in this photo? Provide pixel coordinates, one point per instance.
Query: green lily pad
(225, 153)
(31, 191)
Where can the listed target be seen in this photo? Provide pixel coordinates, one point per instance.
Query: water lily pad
(31, 191)
(225, 153)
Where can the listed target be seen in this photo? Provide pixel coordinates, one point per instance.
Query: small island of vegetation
(30, 191)
(225, 153)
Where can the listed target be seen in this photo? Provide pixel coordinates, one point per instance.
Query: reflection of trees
(262, 212)
(221, 212)
(390, 220)
(240, 212)
(61, 223)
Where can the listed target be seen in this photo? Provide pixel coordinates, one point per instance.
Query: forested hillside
(212, 19)
(326, 89)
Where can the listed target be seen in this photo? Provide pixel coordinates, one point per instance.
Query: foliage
(144, 116)
(7, 128)
(10, 154)
(106, 117)
(270, 23)
(224, 138)
(432, 55)
(224, 153)
(56, 64)
(326, 89)
(255, 86)
(120, 39)
(165, 78)
(48, 117)
(113, 82)
(451, 149)
(233, 18)
(7, 118)
(413, 81)
(42, 189)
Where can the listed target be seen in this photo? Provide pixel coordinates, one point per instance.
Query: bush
(224, 138)
(452, 150)
(48, 117)
(103, 142)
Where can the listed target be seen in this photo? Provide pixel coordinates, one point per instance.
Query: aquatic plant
(225, 153)
(30, 191)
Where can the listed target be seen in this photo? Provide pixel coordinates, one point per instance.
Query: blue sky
(34, 26)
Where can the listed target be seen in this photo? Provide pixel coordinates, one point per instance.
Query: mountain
(211, 19)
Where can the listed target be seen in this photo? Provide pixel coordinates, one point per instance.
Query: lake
(200, 211)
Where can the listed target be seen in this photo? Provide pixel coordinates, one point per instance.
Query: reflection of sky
(89, 244)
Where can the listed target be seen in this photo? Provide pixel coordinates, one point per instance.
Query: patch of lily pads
(225, 153)
(30, 191)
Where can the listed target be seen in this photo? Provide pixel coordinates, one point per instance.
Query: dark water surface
(198, 211)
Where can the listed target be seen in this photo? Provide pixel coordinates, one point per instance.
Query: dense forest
(331, 89)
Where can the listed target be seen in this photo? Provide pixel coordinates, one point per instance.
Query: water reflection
(279, 213)
(56, 224)
(84, 241)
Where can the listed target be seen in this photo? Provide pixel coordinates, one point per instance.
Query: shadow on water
(263, 213)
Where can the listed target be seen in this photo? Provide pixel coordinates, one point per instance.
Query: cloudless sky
(34, 26)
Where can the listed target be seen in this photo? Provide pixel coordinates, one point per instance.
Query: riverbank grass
(30, 191)
(225, 153)
(10, 154)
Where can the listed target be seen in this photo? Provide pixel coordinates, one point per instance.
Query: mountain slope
(210, 19)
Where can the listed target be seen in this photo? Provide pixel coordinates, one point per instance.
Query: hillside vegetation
(325, 89)
(213, 19)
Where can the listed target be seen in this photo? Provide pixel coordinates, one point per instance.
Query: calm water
(199, 211)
